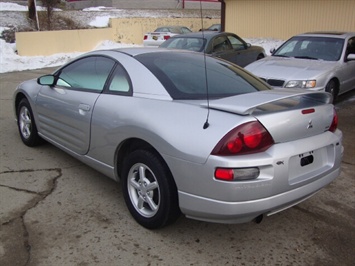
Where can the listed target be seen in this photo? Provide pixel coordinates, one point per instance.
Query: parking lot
(56, 211)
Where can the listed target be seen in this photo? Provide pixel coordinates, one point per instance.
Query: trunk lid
(287, 115)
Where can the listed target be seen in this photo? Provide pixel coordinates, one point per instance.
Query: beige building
(282, 19)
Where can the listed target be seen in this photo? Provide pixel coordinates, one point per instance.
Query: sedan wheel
(26, 124)
(149, 190)
(332, 87)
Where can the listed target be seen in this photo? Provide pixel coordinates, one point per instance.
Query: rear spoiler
(246, 104)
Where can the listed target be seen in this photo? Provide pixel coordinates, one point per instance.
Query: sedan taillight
(145, 37)
(166, 37)
(247, 138)
(334, 124)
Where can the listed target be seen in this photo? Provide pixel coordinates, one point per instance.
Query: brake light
(145, 37)
(334, 124)
(166, 37)
(247, 138)
(308, 111)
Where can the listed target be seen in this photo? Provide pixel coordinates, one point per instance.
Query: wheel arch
(130, 145)
(260, 56)
(18, 98)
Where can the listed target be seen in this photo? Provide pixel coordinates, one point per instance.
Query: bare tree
(31, 9)
(49, 5)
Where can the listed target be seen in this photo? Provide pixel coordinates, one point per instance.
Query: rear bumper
(211, 210)
(152, 43)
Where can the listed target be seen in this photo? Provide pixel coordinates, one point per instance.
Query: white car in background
(320, 61)
(162, 34)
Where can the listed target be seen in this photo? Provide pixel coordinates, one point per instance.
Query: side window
(236, 43)
(120, 82)
(350, 49)
(220, 44)
(89, 73)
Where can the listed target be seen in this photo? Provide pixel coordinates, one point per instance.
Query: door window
(350, 49)
(236, 43)
(89, 73)
(221, 44)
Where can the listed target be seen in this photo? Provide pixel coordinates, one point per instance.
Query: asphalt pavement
(56, 211)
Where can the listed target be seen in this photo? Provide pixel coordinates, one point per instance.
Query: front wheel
(332, 87)
(260, 56)
(149, 190)
(26, 124)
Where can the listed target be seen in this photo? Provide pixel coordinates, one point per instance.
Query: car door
(222, 48)
(65, 109)
(347, 69)
(242, 53)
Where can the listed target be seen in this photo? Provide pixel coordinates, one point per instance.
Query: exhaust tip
(259, 219)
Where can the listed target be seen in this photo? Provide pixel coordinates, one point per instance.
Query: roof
(201, 34)
(340, 34)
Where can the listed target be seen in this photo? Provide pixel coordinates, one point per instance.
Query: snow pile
(17, 7)
(100, 22)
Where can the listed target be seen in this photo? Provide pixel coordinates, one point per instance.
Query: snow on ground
(10, 61)
(17, 7)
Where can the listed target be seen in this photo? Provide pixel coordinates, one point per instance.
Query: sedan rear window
(184, 75)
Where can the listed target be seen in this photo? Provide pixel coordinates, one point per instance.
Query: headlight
(301, 84)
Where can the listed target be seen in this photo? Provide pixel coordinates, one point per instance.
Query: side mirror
(248, 45)
(350, 57)
(272, 50)
(46, 80)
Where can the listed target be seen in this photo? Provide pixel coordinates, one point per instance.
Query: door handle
(84, 107)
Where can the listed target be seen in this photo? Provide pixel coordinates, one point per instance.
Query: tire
(149, 190)
(260, 56)
(26, 124)
(332, 88)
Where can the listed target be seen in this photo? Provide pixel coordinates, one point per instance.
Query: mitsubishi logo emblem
(310, 125)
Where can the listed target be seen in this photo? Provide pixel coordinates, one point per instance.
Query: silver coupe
(319, 61)
(185, 133)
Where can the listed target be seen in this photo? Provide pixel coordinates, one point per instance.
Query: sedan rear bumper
(211, 210)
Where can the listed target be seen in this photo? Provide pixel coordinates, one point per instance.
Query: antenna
(206, 124)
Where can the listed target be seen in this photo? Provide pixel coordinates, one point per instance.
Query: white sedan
(162, 34)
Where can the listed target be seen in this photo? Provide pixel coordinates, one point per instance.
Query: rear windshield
(184, 75)
(185, 43)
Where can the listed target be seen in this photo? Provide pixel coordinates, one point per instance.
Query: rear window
(184, 43)
(184, 75)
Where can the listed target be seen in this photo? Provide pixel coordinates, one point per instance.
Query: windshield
(185, 43)
(317, 48)
(184, 75)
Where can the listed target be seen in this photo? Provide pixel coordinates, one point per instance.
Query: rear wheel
(149, 190)
(332, 88)
(26, 124)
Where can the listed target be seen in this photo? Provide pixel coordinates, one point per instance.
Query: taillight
(334, 124)
(247, 138)
(236, 174)
(145, 37)
(166, 37)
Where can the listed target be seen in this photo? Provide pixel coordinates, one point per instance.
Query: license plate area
(310, 164)
(306, 160)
